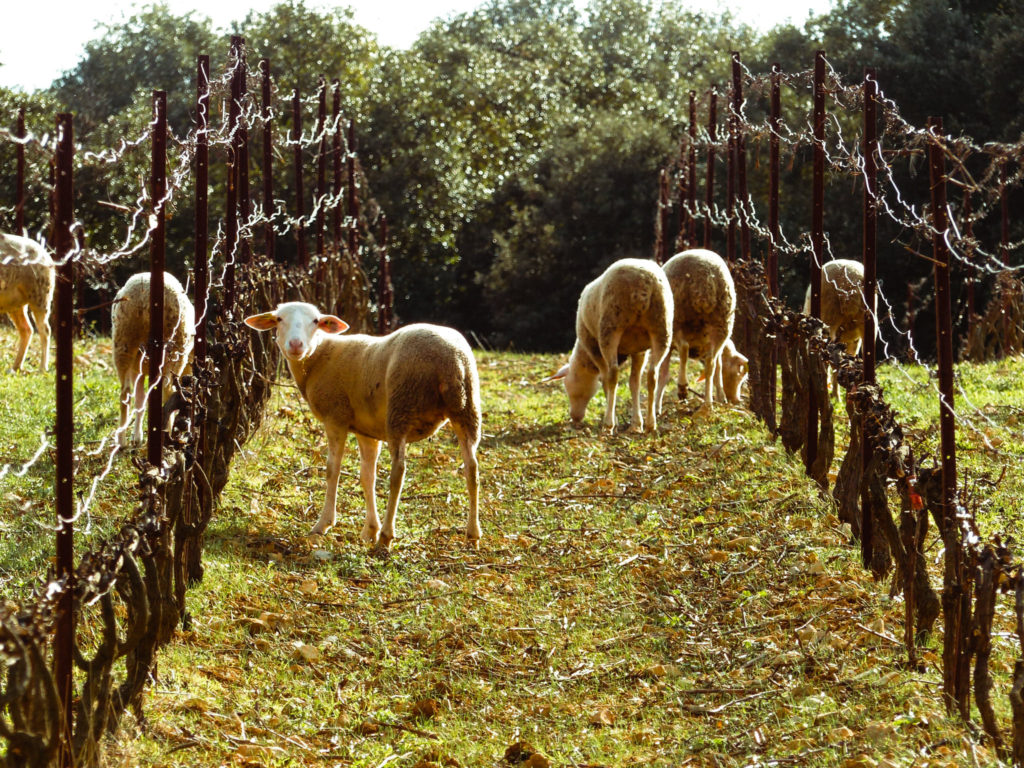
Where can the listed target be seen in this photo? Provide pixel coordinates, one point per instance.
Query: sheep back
(406, 383)
(842, 301)
(704, 296)
(26, 274)
(130, 320)
(632, 295)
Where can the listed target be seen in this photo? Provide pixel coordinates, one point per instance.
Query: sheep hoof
(318, 530)
(636, 429)
(369, 535)
(473, 539)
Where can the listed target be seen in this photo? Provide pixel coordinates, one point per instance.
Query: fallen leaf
(308, 587)
(307, 653)
(518, 752)
(602, 718)
(426, 708)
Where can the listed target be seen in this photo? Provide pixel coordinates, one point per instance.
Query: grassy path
(678, 599)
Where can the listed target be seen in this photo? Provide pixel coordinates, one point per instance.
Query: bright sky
(46, 37)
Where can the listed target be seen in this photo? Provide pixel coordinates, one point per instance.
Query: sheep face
(734, 372)
(297, 324)
(581, 380)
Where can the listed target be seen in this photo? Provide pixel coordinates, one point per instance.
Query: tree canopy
(516, 147)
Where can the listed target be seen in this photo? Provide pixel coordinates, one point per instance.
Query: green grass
(685, 598)
(27, 441)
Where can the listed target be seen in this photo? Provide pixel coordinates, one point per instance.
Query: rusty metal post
(730, 183)
(19, 189)
(321, 164)
(300, 210)
(709, 189)
(353, 196)
(741, 156)
(155, 347)
(266, 114)
(817, 236)
(64, 218)
(691, 181)
(1004, 252)
(242, 136)
(231, 207)
(661, 222)
(972, 271)
(201, 259)
(870, 153)
(953, 588)
(775, 123)
(386, 297)
(336, 158)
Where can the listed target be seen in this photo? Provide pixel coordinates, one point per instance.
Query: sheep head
(297, 324)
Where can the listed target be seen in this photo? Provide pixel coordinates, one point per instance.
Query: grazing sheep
(130, 320)
(705, 304)
(842, 305)
(399, 388)
(623, 313)
(730, 373)
(26, 285)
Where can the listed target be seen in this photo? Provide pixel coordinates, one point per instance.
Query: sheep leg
(467, 444)
(610, 376)
(684, 357)
(140, 404)
(397, 449)
(41, 316)
(369, 451)
(335, 451)
(711, 359)
(657, 378)
(20, 318)
(636, 367)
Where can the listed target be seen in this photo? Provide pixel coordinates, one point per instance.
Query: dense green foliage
(516, 147)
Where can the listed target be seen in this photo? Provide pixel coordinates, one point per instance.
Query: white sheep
(130, 321)
(26, 285)
(398, 388)
(624, 312)
(730, 373)
(704, 299)
(842, 305)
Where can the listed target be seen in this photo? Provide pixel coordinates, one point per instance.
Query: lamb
(623, 313)
(842, 305)
(130, 320)
(397, 388)
(730, 373)
(704, 299)
(26, 285)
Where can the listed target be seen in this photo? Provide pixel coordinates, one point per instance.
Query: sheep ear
(262, 322)
(331, 324)
(559, 374)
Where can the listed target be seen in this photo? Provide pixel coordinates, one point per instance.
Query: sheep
(624, 312)
(704, 299)
(398, 388)
(842, 305)
(130, 321)
(730, 373)
(26, 285)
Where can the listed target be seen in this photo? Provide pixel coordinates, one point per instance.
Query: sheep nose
(295, 346)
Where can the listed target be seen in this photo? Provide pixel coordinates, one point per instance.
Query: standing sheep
(704, 308)
(623, 313)
(130, 320)
(399, 388)
(842, 305)
(26, 285)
